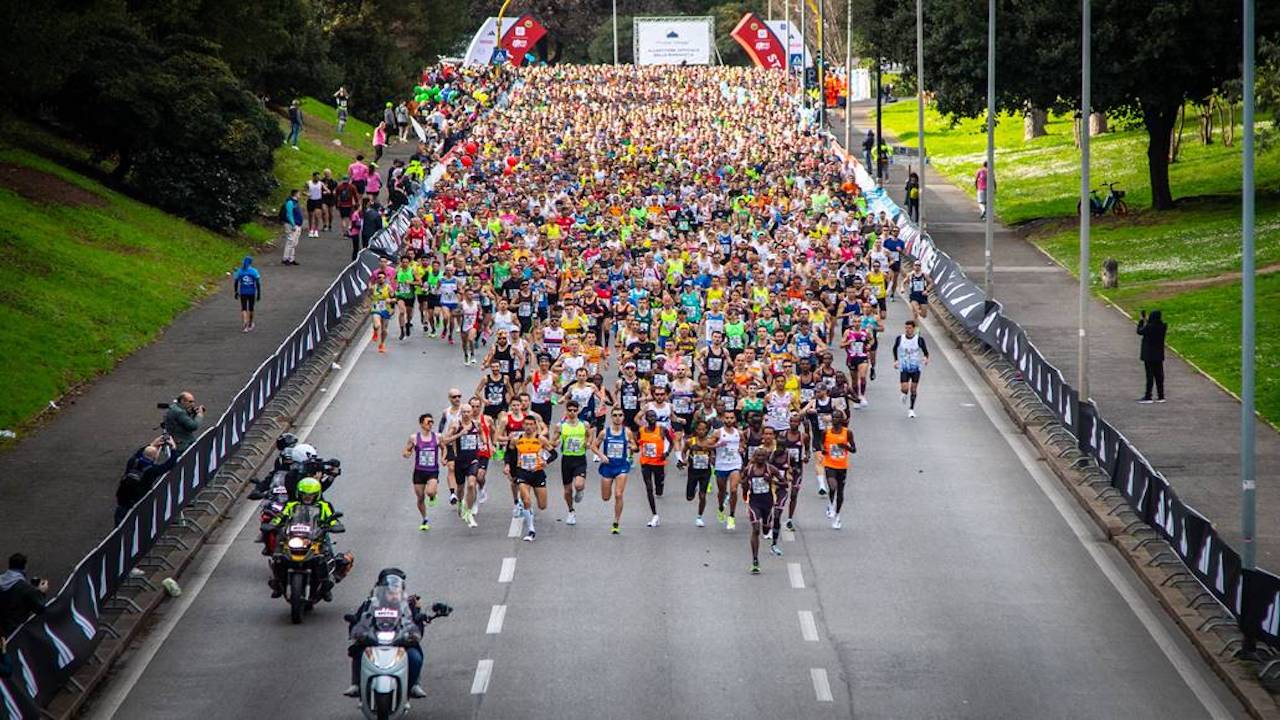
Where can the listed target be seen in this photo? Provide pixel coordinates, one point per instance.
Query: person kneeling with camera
(19, 596)
(147, 465)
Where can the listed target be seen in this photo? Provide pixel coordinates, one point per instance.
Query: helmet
(387, 573)
(309, 487)
(286, 440)
(300, 453)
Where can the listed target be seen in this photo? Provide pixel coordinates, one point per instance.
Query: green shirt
(573, 439)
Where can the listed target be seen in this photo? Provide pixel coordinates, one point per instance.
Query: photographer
(19, 596)
(182, 419)
(142, 471)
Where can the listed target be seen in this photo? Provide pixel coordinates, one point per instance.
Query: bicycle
(1114, 202)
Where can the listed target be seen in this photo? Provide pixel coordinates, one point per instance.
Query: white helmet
(300, 453)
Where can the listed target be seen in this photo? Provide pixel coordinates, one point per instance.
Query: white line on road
(808, 626)
(1084, 531)
(508, 570)
(207, 561)
(496, 616)
(796, 575)
(821, 687)
(514, 529)
(484, 669)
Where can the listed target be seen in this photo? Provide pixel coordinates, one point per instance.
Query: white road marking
(514, 529)
(496, 616)
(508, 570)
(206, 562)
(484, 670)
(821, 687)
(1084, 531)
(808, 626)
(796, 575)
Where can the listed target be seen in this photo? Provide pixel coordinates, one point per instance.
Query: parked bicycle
(1113, 202)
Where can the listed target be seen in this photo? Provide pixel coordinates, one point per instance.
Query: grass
(1204, 327)
(1185, 260)
(316, 150)
(82, 286)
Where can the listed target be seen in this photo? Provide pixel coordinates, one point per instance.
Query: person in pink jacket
(379, 140)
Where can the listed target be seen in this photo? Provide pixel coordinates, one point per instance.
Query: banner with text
(789, 35)
(483, 44)
(762, 46)
(673, 40)
(521, 37)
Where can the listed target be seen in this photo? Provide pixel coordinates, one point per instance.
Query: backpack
(131, 484)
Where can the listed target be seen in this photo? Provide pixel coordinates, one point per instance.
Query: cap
(629, 364)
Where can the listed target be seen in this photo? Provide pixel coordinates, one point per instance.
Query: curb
(127, 615)
(1209, 626)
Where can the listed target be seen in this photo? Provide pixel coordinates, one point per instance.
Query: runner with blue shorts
(614, 448)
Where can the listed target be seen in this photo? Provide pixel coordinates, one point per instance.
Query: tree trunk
(1098, 124)
(1075, 130)
(1175, 141)
(1228, 123)
(1033, 120)
(1206, 122)
(1160, 120)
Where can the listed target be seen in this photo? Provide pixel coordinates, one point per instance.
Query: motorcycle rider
(359, 624)
(284, 460)
(309, 494)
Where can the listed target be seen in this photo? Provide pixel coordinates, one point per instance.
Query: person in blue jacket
(247, 285)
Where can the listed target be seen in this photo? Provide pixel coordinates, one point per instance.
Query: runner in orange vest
(655, 443)
(531, 473)
(837, 444)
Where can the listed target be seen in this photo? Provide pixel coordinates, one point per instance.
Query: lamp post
(848, 74)
(1086, 99)
(615, 32)
(920, 108)
(987, 285)
(1248, 479)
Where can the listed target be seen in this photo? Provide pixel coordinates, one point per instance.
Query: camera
(331, 467)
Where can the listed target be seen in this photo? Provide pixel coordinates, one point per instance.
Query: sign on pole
(760, 43)
(674, 40)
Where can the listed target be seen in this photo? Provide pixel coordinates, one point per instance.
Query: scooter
(384, 666)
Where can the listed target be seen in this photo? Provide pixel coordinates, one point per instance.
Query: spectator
(371, 223)
(1152, 329)
(868, 144)
(379, 140)
(182, 420)
(353, 228)
(347, 198)
(980, 184)
(291, 216)
(359, 173)
(913, 197)
(373, 185)
(396, 197)
(389, 118)
(295, 124)
(340, 100)
(142, 471)
(402, 121)
(20, 597)
(247, 286)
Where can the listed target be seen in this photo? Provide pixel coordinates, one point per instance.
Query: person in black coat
(20, 596)
(144, 468)
(1152, 329)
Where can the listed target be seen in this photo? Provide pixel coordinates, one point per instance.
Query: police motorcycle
(304, 566)
(386, 632)
(295, 462)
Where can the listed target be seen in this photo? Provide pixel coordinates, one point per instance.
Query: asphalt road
(963, 585)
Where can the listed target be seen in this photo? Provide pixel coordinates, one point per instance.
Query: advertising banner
(762, 46)
(674, 40)
(520, 37)
(480, 51)
(793, 41)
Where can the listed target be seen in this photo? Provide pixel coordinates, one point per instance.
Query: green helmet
(309, 487)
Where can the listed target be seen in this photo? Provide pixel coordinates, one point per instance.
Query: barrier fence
(1253, 596)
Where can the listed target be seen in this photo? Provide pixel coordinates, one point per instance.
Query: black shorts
(682, 422)
(329, 200)
(883, 303)
(854, 362)
(422, 477)
(896, 266)
(919, 298)
(433, 300)
(493, 411)
(463, 468)
(909, 376)
(572, 467)
(834, 474)
(542, 410)
(359, 185)
(314, 204)
(759, 508)
(408, 301)
(345, 212)
(247, 302)
(532, 478)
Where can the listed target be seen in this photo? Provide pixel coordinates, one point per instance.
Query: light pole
(987, 285)
(848, 73)
(1248, 480)
(875, 151)
(920, 109)
(615, 32)
(1086, 99)
(822, 65)
(787, 21)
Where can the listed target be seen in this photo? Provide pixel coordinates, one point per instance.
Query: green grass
(316, 150)
(1204, 327)
(83, 286)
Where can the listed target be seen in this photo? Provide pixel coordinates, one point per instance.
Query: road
(963, 585)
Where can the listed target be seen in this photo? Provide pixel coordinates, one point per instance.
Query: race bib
(700, 461)
(759, 485)
(468, 442)
(427, 457)
(573, 445)
(649, 450)
(528, 461)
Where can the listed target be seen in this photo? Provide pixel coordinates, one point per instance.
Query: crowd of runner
(651, 265)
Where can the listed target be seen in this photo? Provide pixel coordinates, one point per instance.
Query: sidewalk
(1194, 439)
(57, 487)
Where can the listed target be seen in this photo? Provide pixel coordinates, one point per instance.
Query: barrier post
(1248, 479)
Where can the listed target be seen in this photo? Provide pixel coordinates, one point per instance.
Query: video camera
(331, 466)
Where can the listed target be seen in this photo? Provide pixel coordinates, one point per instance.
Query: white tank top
(727, 453)
(504, 321)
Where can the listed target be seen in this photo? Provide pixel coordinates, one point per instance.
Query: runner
(837, 445)
(698, 451)
(918, 286)
(758, 487)
(613, 449)
(728, 464)
(530, 475)
(467, 437)
(655, 442)
(380, 293)
(424, 447)
(911, 355)
(572, 437)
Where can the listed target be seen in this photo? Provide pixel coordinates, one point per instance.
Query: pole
(615, 32)
(991, 146)
(769, 15)
(501, 11)
(1086, 101)
(920, 108)
(848, 74)
(875, 151)
(822, 66)
(1248, 481)
(804, 53)
(787, 22)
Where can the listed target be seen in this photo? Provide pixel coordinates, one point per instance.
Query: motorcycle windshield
(305, 521)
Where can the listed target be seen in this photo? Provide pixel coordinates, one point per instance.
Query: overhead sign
(521, 36)
(480, 51)
(793, 41)
(762, 46)
(674, 40)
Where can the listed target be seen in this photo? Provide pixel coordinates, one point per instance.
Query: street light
(1248, 479)
(848, 74)
(920, 110)
(615, 32)
(991, 146)
(1086, 98)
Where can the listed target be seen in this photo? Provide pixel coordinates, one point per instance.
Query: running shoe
(471, 520)
(530, 536)
(711, 484)
(720, 516)
(864, 403)
(768, 535)
(425, 526)
(831, 510)
(1145, 400)
(730, 523)
(653, 522)
(517, 510)
(755, 568)
(835, 524)
(698, 521)
(775, 549)
(382, 348)
(791, 525)
(571, 518)
(873, 372)
(453, 498)
(614, 530)
(433, 501)
(911, 413)
(822, 489)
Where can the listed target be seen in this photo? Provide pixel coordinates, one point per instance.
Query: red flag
(760, 43)
(520, 38)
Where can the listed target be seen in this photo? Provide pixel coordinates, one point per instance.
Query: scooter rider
(309, 491)
(392, 585)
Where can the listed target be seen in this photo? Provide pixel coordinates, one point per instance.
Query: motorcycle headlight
(385, 636)
(298, 544)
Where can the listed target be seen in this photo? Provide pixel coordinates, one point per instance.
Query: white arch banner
(674, 40)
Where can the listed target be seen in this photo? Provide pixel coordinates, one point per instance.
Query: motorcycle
(384, 664)
(304, 566)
